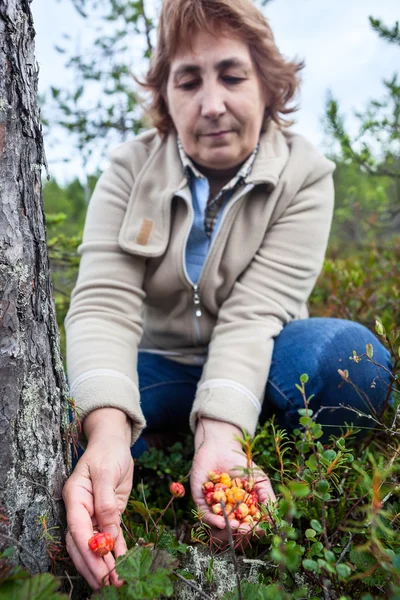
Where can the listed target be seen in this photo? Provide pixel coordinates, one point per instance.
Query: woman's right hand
(97, 492)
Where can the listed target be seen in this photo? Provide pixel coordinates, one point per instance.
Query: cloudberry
(208, 486)
(177, 489)
(101, 543)
(214, 476)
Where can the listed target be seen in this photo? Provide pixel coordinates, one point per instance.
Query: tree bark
(33, 391)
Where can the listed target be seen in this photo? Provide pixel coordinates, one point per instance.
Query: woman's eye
(232, 80)
(188, 85)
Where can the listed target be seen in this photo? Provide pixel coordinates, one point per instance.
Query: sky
(341, 52)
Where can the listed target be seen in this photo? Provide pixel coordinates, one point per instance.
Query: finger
(80, 531)
(105, 504)
(120, 548)
(95, 581)
(112, 576)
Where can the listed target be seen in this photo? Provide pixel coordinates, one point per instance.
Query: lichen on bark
(33, 390)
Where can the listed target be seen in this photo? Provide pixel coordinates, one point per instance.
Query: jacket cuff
(91, 392)
(228, 401)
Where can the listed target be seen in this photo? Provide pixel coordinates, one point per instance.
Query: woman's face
(216, 101)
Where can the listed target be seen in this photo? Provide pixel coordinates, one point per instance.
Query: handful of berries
(237, 494)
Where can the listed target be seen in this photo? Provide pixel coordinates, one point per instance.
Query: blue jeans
(316, 346)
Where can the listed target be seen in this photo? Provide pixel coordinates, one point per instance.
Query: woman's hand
(97, 492)
(217, 449)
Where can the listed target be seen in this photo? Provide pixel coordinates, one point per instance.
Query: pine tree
(33, 392)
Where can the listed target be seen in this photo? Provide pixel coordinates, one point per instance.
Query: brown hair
(181, 19)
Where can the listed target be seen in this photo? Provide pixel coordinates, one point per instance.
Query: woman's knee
(343, 381)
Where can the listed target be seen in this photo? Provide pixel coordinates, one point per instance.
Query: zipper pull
(196, 300)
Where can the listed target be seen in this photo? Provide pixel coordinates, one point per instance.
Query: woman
(202, 243)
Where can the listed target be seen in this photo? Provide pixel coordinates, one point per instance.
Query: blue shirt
(200, 240)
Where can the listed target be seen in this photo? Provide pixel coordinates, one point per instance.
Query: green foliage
(391, 35)
(147, 575)
(17, 584)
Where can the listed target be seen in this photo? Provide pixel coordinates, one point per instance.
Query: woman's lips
(218, 133)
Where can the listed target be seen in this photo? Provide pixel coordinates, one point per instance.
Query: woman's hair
(180, 20)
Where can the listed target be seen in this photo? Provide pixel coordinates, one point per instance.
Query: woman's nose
(212, 102)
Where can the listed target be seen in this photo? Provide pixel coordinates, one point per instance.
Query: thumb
(105, 506)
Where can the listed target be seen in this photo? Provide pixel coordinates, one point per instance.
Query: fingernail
(113, 529)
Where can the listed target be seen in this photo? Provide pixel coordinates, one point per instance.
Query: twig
(193, 586)
(347, 546)
(233, 553)
(147, 27)
(147, 508)
(70, 583)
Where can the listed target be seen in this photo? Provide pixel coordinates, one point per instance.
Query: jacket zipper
(195, 287)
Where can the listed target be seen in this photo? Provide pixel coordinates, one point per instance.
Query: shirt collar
(243, 172)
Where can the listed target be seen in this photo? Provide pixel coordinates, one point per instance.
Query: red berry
(208, 486)
(101, 543)
(209, 498)
(177, 489)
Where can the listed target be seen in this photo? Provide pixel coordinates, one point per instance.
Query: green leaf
(379, 327)
(305, 412)
(310, 565)
(312, 463)
(299, 489)
(343, 570)
(310, 533)
(329, 556)
(329, 455)
(316, 525)
(304, 378)
(185, 574)
(39, 587)
(107, 593)
(140, 509)
(369, 350)
(316, 548)
(148, 573)
(323, 486)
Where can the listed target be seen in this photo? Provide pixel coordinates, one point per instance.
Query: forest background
(337, 528)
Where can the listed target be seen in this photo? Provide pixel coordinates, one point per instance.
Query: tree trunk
(33, 391)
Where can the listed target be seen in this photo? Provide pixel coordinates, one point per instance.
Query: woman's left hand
(217, 449)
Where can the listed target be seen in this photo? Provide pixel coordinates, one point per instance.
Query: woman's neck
(217, 178)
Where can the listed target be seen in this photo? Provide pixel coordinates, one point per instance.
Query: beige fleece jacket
(133, 290)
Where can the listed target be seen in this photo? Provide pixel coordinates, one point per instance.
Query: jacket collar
(146, 225)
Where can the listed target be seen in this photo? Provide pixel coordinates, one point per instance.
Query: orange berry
(101, 543)
(220, 487)
(229, 508)
(216, 509)
(214, 476)
(237, 482)
(248, 520)
(219, 496)
(226, 480)
(242, 511)
(177, 489)
(235, 494)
